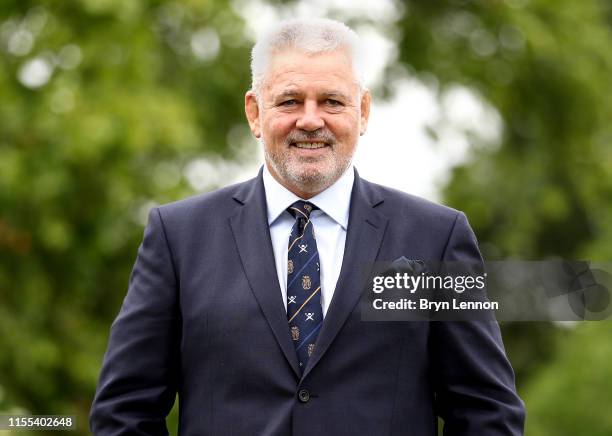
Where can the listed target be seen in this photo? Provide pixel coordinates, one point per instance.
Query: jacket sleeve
(475, 392)
(138, 381)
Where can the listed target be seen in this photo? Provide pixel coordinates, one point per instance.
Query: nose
(310, 119)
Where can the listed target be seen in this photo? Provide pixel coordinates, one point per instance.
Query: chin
(309, 175)
(313, 179)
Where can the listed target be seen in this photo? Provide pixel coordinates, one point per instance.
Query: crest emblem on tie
(306, 282)
(307, 207)
(311, 348)
(295, 333)
(309, 316)
(289, 266)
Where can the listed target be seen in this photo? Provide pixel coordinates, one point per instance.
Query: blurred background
(502, 109)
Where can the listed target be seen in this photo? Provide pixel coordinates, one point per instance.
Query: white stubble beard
(291, 169)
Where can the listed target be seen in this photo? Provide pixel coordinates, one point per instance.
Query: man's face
(309, 116)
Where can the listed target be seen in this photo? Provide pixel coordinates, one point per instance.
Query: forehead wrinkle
(289, 92)
(299, 79)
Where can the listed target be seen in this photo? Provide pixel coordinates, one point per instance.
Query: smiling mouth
(309, 145)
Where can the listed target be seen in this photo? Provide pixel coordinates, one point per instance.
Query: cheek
(347, 135)
(345, 129)
(278, 128)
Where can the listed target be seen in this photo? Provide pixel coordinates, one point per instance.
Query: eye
(332, 102)
(288, 103)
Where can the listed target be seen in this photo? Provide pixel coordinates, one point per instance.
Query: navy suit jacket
(204, 317)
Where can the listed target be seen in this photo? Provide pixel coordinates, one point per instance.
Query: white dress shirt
(329, 223)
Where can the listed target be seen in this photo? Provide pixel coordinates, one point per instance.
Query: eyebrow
(328, 94)
(288, 93)
(336, 94)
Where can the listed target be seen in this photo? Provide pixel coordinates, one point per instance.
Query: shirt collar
(335, 201)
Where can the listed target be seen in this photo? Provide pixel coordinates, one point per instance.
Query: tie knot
(301, 209)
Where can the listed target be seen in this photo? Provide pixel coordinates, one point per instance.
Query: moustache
(315, 136)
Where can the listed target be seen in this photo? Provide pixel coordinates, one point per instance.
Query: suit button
(304, 395)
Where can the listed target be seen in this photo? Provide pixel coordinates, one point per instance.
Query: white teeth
(310, 144)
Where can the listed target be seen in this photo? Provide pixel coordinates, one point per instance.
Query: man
(245, 300)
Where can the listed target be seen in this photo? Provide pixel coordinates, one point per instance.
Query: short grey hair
(311, 35)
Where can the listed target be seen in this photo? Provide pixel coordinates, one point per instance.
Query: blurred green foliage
(103, 105)
(105, 102)
(572, 395)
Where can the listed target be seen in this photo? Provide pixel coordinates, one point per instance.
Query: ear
(365, 111)
(252, 113)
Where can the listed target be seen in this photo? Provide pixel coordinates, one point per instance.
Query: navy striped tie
(303, 283)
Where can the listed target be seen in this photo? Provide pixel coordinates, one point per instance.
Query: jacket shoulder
(404, 205)
(216, 204)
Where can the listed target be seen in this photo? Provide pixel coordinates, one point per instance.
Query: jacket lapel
(252, 236)
(365, 232)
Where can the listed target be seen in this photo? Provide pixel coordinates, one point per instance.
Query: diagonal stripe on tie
(299, 211)
(291, 244)
(315, 330)
(297, 274)
(304, 303)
